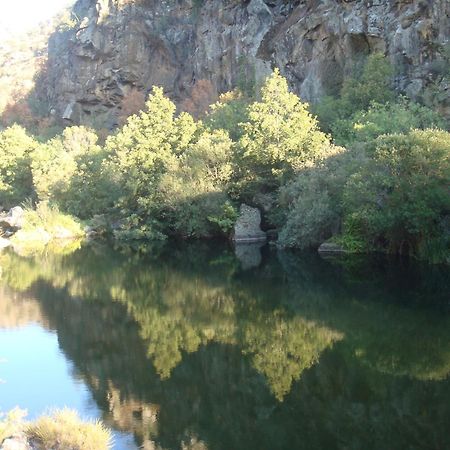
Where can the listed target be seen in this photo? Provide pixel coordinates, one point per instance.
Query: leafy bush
(310, 207)
(196, 189)
(399, 199)
(229, 113)
(398, 117)
(68, 171)
(44, 224)
(15, 172)
(372, 85)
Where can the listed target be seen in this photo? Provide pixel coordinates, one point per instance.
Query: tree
(228, 113)
(67, 172)
(15, 172)
(146, 148)
(399, 200)
(280, 137)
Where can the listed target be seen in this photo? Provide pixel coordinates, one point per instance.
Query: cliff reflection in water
(187, 350)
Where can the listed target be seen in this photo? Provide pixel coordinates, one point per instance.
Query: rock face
(248, 226)
(123, 45)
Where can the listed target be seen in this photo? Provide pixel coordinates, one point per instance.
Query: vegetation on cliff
(167, 174)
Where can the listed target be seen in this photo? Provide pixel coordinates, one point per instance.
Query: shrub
(372, 85)
(310, 207)
(145, 149)
(44, 224)
(399, 117)
(68, 171)
(196, 190)
(15, 172)
(64, 430)
(172, 172)
(398, 200)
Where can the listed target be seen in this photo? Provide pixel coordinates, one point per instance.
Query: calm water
(198, 346)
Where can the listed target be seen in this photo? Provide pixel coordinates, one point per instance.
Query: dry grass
(11, 423)
(63, 430)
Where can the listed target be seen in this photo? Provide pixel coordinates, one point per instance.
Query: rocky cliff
(122, 46)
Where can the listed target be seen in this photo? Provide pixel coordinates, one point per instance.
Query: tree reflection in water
(180, 345)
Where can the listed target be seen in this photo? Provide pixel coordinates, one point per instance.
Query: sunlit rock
(248, 226)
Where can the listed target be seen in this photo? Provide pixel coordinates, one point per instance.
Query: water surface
(201, 346)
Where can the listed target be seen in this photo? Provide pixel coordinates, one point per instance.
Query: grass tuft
(64, 430)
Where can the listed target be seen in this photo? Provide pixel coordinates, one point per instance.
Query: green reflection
(182, 345)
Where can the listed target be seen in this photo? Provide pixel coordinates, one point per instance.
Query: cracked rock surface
(121, 45)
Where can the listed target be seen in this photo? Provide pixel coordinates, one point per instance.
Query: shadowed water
(198, 346)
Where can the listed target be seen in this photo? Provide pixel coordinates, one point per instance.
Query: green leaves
(281, 136)
(400, 197)
(15, 174)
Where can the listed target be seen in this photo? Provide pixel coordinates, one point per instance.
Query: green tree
(15, 172)
(67, 170)
(372, 84)
(311, 205)
(399, 200)
(229, 113)
(280, 137)
(145, 149)
(173, 173)
(194, 193)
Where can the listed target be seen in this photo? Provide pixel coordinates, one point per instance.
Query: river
(202, 346)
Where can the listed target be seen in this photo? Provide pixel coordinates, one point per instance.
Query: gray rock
(14, 219)
(330, 247)
(248, 225)
(122, 44)
(18, 442)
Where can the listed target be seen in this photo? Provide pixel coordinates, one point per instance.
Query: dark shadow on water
(183, 344)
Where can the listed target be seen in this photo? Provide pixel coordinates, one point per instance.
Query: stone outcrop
(248, 226)
(119, 46)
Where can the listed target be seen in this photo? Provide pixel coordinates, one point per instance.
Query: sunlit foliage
(15, 174)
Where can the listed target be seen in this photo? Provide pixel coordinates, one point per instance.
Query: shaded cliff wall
(122, 45)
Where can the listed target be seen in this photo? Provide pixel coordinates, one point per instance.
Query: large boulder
(17, 442)
(248, 226)
(13, 220)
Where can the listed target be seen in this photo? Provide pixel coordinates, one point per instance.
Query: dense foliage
(15, 174)
(167, 174)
